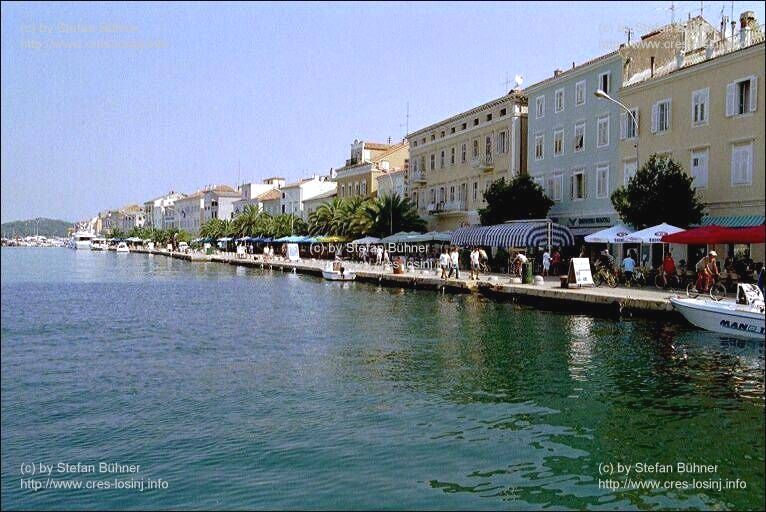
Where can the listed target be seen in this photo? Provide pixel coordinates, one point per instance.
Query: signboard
(579, 271)
(292, 252)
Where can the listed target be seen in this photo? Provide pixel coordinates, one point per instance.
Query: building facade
(254, 193)
(294, 194)
(155, 209)
(311, 205)
(454, 161)
(212, 202)
(368, 161)
(706, 112)
(392, 183)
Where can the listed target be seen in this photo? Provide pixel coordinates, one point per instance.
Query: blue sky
(109, 104)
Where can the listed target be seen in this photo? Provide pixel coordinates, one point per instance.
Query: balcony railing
(484, 162)
(445, 207)
(418, 177)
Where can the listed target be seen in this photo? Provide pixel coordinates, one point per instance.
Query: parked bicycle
(637, 278)
(664, 281)
(717, 290)
(604, 276)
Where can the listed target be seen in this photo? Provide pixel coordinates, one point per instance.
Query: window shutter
(730, 93)
(654, 118)
(635, 113)
(670, 114)
(572, 187)
(585, 184)
(623, 126)
(753, 93)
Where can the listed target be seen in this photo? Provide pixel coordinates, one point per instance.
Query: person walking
(628, 266)
(378, 255)
(546, 263)
(555, 262)
(454, 262)
(475, 262)
(444, 262)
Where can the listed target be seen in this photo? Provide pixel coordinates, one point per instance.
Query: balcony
(485, 163)
(418, 177)
(446, 207)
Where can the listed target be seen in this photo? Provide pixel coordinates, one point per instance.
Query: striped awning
(514, 234)
(734, 221)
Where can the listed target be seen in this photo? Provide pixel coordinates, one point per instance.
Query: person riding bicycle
(707, 271)
(606, 261)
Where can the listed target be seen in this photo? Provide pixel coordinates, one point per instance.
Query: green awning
(734, 221)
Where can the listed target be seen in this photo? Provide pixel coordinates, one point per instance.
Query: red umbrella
(718, 235)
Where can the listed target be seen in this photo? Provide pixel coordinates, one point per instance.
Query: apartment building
(158, 211)
(706, 111)
(369, 160)
(311, 205)
(255, 193)
(294, 194)
(392, 183)
(212, 202)
(573, 136)
(452, 162)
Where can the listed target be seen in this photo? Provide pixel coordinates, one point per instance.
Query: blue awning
(734, 221)
(514, 234)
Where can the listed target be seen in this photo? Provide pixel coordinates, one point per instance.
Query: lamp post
(601, 94)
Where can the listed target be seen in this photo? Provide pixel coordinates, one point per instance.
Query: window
(540, 106)
(433, 136)
(364, 188)
(627, 126)
(356, 188)
(415, 143)
(476, 148)
(441, 159)
(604, 81)
(602, 132)
(580, 93)
(422, 163)
(742, 164)
(463, 126)
(579, 137)
(452, 194)
(629, 170)
(539, 147)
(699, 167)
(488, 146)
(502, 112)
(463, 149)
(442, 134)
(476, 122)
(452, 130)
(741, 97)
(475, 191)
(578, 184)
(502, 142)
(661, 116)
(433, 161)
(539, 180)
(452, 155)
(432, 194)
(558, 104)
(700, 107)
(489, 117)
(558, 142)
(602, 181)
(555, 186)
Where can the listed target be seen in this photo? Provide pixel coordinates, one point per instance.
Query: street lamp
(604, 96)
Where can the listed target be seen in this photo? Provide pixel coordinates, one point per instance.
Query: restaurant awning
(297, 239)
(366, 240)
(733, 221)
(514, 234)
(652, 235)
(432, 236)
(402, 236)
(614, 235)
(719, 235)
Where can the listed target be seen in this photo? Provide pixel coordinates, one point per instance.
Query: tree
(521, 198)
(659, 192)
(251, 222)
(217, 228)
(391, 214)
(287, 224)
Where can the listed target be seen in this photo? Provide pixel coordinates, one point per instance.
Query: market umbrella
(653, 235)
(614, 235)
(719, 235)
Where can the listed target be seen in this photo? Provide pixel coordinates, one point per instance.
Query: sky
(105, 105)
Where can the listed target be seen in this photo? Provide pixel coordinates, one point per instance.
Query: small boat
(336, 272)
(744, 318)
(122, 247)
(99, 244)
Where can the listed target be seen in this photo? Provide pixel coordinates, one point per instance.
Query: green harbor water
(242, 388)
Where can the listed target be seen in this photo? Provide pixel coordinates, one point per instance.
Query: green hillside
(46, 227)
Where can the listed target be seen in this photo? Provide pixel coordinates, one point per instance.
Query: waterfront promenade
(645, 301)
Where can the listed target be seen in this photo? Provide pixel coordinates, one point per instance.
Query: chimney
(679, 59)
(709, 50)
(651, 65)
(556, 72)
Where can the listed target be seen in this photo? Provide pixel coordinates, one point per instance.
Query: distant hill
(46, 227)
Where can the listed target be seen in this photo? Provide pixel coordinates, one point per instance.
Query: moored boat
(336, 272)
(99, 244)
(744, 318)
(81, 240)
(122, 247)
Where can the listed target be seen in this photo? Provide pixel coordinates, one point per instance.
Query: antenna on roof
(506, 83)
(406, 122)
(628, 32)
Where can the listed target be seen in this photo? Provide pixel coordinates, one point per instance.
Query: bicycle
(717, 290)
(604, 276)
(663, 281)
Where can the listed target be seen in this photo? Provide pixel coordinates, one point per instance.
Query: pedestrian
(475, 263)
(444, 262)
(628, 266)
(378, 255)
(454, 262)
(546, 262)
(555, 261)
(386, 257)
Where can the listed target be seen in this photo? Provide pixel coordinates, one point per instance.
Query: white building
(392, 183)
(255, 193)
(159, 212)
(294, 194)
(213, 202)
(310, 205)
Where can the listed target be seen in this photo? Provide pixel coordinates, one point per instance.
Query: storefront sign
(579, 271)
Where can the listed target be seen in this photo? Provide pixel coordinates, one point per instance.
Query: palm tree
(391, 214)
(249, 221)
(287, 224)
(328, 218)
(217, 228)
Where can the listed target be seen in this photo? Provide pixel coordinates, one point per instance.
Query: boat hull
(82, 245)
(722, 318)
(332, 275)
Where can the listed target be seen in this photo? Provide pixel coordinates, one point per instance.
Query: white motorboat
(99, 244)
(336, 272)
(744, 317)
(122, 247)
(81, 240)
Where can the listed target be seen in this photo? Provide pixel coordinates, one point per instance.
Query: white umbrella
(366, 240)
(615, 235)
(653, 235)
